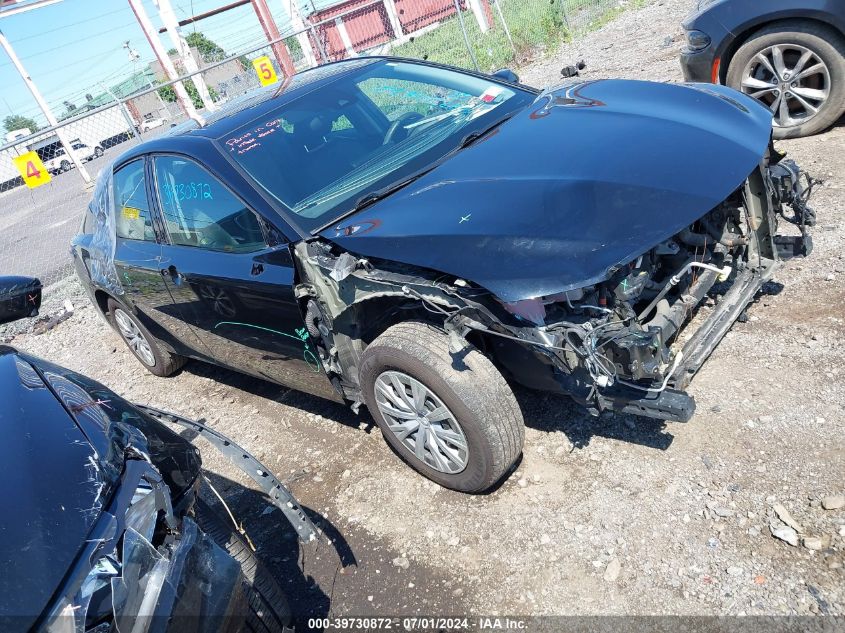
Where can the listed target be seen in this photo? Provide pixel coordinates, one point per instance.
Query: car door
(137, 261)
(229, 282)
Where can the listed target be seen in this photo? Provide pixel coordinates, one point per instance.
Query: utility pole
(48, 114)
(168, 17)
(164, 60)
(271, 31)
(134, 56)
(298, 26)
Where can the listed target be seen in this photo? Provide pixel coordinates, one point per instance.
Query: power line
(65, 26)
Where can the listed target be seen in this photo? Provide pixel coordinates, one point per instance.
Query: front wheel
(452, 418)
(64, 166)
(98, 151)
(797, 70)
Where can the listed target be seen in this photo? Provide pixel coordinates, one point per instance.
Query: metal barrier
(37, 224)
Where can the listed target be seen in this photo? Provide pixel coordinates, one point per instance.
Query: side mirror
(506, 74)
(20, 297)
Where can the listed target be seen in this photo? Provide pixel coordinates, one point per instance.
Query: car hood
(64, 441)
(587, 178)
(51, 485)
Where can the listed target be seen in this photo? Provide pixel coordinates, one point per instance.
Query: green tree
(209, 50)
(169, 94)
(18, 122)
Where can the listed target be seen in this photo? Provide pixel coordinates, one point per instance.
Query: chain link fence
(38, 224)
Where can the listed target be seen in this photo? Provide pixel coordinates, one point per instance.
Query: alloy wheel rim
(134, 338)
(421, 422)
(789, 79)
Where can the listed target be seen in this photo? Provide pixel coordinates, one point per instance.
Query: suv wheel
(452, 418)
(98, 151)
(797, 70)
(64, 166)
(142, 344)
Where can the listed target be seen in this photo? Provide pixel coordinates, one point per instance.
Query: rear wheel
(64, 166)
(142, 344)
(797, 70)
(452, 418)
(98, 151)
(269, 609)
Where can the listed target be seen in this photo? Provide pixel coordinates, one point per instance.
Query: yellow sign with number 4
(265, 71)
(32, 169)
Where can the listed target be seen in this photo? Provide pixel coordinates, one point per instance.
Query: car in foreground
(60, 162)
(787, 54)
(102, 526)
(417, 239)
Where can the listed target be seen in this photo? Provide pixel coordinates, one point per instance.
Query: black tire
(269, 611)
(98, 151)
(468, 384)
(64, 166)
(825, 43)
(165, 363)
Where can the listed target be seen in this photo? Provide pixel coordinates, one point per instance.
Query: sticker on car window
(131, 213)
(493, 94)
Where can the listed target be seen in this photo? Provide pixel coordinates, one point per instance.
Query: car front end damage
(618, 344)
(146, 564)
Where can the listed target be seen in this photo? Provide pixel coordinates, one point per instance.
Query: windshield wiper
(472, 137)
(371, 198)
(374, 196)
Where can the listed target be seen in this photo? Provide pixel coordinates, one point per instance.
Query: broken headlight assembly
(130, 558)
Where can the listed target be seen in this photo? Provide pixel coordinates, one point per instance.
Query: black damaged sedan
(102, 527)
(417, 239)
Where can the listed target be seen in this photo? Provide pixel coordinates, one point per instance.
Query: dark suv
(787, 54)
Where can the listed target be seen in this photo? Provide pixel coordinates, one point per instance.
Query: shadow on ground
(345, 573)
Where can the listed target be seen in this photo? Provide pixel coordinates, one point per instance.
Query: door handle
(175, 275)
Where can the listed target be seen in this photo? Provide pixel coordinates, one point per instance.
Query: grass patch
(536, 27)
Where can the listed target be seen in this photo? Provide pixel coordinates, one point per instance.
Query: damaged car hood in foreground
(586, 178)
(46, 515)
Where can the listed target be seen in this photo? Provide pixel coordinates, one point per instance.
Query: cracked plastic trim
(280, 496)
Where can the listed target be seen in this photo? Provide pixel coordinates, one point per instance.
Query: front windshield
(369, 129)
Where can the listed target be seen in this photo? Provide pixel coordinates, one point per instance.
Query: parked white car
(151, 124)
(61, 161)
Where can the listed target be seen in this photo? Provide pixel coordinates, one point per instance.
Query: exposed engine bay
(619, 344)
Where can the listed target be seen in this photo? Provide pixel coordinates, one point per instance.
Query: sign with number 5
(265, 71)
(32, 170)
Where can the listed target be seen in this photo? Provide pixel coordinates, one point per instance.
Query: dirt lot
(613, 516)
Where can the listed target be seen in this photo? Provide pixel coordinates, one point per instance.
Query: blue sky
(69, 47)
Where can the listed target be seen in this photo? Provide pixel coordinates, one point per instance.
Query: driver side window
(200, 211)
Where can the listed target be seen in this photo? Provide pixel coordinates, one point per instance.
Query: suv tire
(826, 45)
(409, 375)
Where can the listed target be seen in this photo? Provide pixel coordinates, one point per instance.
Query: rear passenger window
(133, 220)
(200, 211)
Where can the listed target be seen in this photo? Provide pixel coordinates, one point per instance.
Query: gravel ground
(613, 516)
